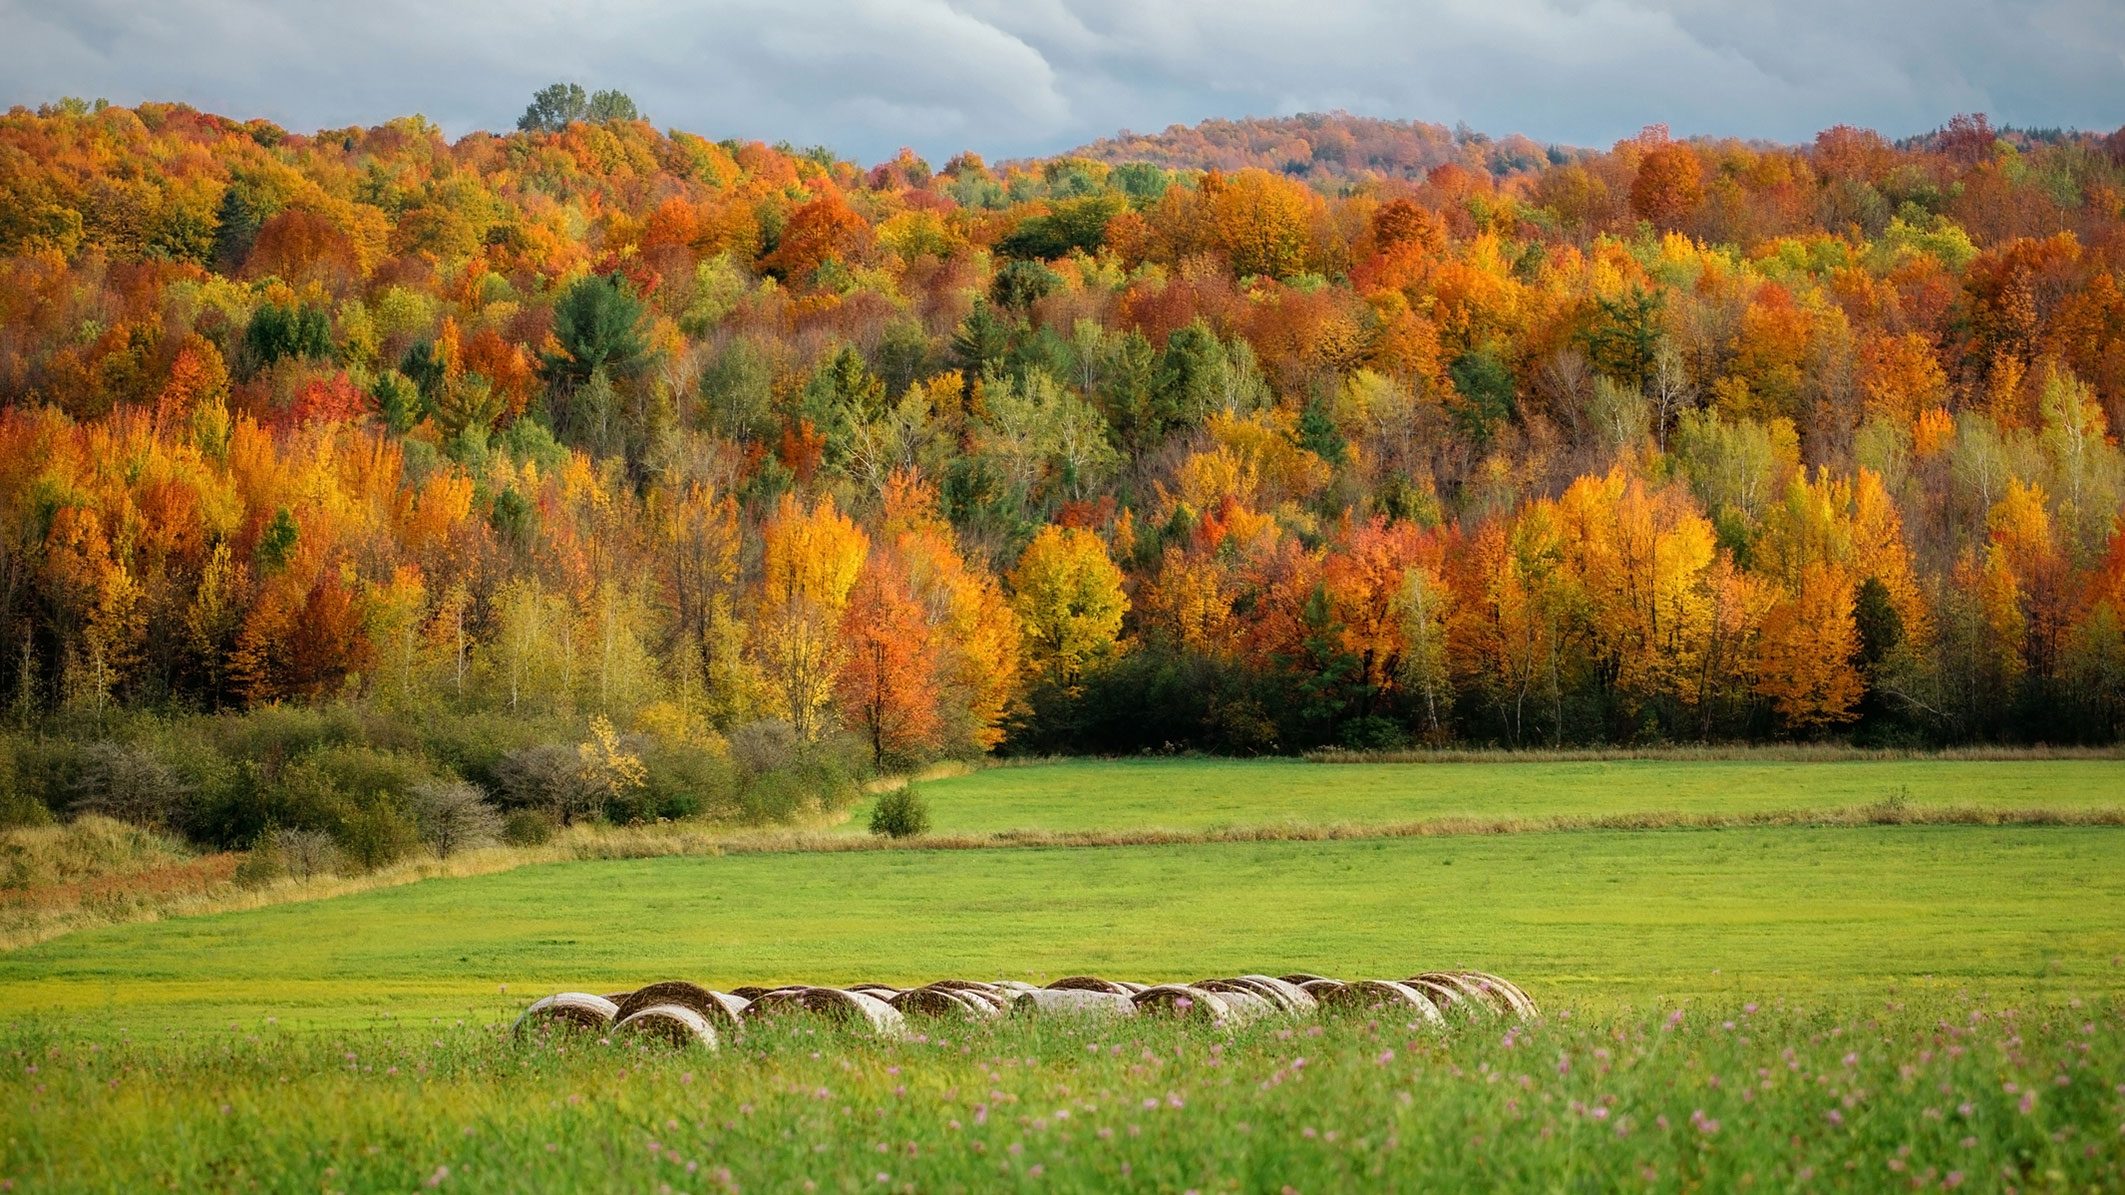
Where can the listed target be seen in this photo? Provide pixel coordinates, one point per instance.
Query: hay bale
(618, 997)
(1370, 995)
(964, 985)
(719, 1008)
(672, 1025)
(1514, 998)
(1444, 998)
(1474, 993)
(1182, 1000)
(1088, 983)
(1073, 1002)
(750, 992)
(996, 1001)
(1319, 988)
(1132, 987)
(1244, 1007)
(846, 1009)
(567, 1011)
(1288, 998)
(771, 1003)
(1015, 987)
(884, 991)
(1301, 978)
(946, 1002)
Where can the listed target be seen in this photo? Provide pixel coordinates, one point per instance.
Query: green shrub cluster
(340, 788)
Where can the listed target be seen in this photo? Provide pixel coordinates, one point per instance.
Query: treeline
(1329, 147)
(722, 444)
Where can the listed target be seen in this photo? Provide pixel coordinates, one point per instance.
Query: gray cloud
(1011, 77)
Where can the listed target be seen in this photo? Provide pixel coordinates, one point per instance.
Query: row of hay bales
(686, 1014)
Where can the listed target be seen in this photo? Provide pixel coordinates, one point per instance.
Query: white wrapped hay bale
(1516, 1000)
(947, 1002)
(1182, 1000)
(1088, 983)
(721, 1009)
(1382, 995)
(1483, 990)
(673, 1025)
(1073, 1002)
(1287, 998)
(846, 1009)
(567, 1012)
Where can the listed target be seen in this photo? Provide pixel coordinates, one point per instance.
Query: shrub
(771, 797)
(126, 782)
(527, 827)
(686, 781)
(375, 835)
(303, 854)
(767, 745)
(901, 813)
(368, 773)
(45, 773)
(257, 868)
(452, 816)
(548, 777)
(474, 745)
(300, 795)
(19, 806)
(273, 733)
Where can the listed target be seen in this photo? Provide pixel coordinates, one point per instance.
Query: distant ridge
(1324, 146)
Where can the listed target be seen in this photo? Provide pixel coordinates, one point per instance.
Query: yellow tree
(1260, 221)
(1804, 658)
(1069, 599)
(810, 561)
(1807, 658)
(2025, 582)
(1642, 560)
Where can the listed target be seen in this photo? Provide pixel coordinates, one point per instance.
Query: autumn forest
(697, 455)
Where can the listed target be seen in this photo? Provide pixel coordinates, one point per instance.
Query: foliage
(556, 106)
(1386, 433)
(453, 816)
(900, 813)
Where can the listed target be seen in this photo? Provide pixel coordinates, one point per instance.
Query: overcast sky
(1015, 77)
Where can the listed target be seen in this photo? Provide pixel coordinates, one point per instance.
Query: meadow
(1827, 998)
(1203, 794)
(1934, 1094)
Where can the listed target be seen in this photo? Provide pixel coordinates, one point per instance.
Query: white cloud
(1019, 76)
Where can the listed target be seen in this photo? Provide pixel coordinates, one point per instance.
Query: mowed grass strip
(1198, 794)
(1605, 916)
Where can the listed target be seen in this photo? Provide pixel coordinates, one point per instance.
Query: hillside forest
(589, 461)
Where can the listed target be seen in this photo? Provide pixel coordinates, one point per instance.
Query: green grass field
(1201, 794)
(1953, 992)
(1599, 915)
(1933, 1095)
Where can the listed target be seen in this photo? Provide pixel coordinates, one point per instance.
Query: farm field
(1936, 1093)
(1203, 794)
(358, 1043)
(1603, 916)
